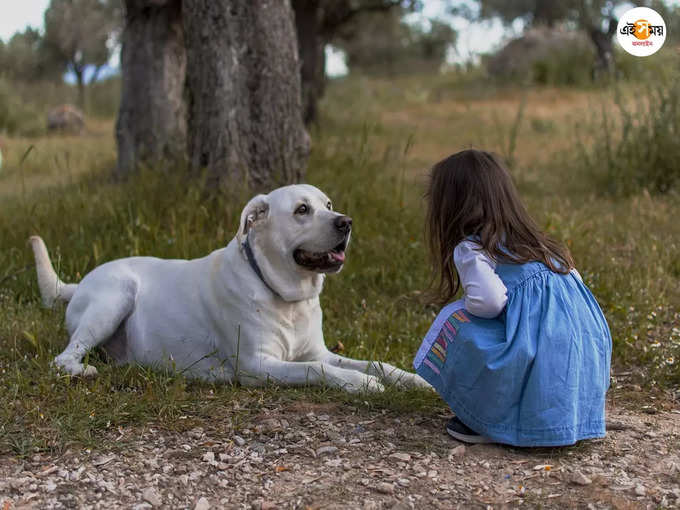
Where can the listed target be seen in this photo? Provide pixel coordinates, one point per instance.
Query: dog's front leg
(262, 370)
(386, 372)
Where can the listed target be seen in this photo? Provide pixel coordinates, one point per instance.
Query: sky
(473, 38)
(16, 15)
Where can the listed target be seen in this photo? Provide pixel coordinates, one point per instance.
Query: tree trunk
(604, 50)
(151, 127)
(316, 23)
(80, 83)
(311, 50)
(245, 121)
(95, 74)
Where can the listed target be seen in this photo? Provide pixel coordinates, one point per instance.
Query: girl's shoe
(458, 430)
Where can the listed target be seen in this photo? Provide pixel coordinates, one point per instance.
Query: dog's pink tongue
(338, 255)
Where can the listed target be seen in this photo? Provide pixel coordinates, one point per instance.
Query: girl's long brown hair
(471, 193)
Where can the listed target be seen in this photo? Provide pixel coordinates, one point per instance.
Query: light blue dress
(537, 374)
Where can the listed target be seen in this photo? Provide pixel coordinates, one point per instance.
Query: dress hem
(570, 435)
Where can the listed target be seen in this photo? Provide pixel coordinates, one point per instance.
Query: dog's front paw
(73, 368)
(373, 385)
(89, 371)
(400, 378)
(413, 381)
(366, 383)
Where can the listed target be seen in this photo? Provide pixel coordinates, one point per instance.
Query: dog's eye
(329, 206)
(303, 209)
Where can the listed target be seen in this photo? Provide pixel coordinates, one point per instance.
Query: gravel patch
(313, 456)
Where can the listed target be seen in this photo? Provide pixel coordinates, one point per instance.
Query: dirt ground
(314, 456)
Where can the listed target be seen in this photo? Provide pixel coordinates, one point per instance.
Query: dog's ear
(255, 211)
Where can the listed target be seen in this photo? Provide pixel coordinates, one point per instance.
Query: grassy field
(372, 151)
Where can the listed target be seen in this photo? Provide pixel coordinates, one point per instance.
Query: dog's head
(296, 237)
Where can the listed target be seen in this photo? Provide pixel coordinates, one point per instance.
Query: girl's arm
(485, 294)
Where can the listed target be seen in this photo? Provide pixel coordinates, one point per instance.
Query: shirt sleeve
(485, 294)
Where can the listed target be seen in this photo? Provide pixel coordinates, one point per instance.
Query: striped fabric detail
(436, 357)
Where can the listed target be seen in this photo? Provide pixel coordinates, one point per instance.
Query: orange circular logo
(642, 29)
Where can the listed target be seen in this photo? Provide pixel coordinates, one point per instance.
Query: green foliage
(25, 58)
(660, 67)
(545, 56)
(565, 64)
(16, 116)
(381, 43)
(103, 97)
(636, 147)
(78, 33)
(549, 12)
(671, 16)
(81, 34)
(24, 105)
(568, 66)
(538, 12)
(31, 66)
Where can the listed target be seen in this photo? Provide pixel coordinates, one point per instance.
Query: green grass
(636, 147)
(370, 157)
(92, 220)
(24, 105)
(17, 116)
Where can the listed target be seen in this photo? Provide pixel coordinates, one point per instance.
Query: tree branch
(338, 13)
(95, 74)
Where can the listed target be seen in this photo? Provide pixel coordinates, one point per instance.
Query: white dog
(249, 312)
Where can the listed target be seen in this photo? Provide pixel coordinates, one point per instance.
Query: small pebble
(404, 457)
(385, 488)
(150, 495)
(326, 450)
(258, 447)
(202, 504)
(581, 479)
(458, 451)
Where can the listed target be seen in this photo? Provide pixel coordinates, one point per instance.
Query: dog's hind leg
(98, 321)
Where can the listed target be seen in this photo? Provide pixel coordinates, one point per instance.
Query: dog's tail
(52, 289)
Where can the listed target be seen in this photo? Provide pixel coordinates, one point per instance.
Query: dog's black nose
(343, 223)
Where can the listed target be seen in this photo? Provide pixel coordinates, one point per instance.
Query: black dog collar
(253, 263)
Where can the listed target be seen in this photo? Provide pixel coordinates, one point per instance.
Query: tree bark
(80, 83)
(244, 101)
(311, 51)
(604, 50)
(316, 23)
(151, 127)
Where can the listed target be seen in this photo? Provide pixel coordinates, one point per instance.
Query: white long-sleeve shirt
(485, 294)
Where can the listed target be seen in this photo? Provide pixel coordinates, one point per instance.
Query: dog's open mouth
(323, 262)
